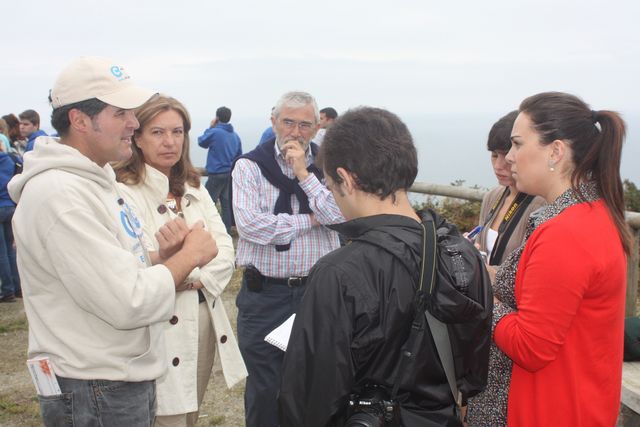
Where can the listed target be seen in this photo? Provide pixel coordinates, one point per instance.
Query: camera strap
(438, 329)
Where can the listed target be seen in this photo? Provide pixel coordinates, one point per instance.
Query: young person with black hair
(328, 115)
(358, 309)
(504, 210)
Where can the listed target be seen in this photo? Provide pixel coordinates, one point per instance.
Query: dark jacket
(354, 318)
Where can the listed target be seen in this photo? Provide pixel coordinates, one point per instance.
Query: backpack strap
(417, 325)
(441, 339)
(438, 329)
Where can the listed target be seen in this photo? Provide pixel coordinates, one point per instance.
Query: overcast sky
(412, 57)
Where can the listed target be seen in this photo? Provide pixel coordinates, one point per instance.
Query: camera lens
(363, 419)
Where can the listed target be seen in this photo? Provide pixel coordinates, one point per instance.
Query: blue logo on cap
(116, 71)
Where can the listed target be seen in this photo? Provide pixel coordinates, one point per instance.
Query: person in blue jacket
(224, 147)
(30, 127)
(10, 288)
(268, 132)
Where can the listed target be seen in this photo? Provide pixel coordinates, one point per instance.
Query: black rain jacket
(354, 318)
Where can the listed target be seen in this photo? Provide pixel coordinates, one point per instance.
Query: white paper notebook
(280, 335)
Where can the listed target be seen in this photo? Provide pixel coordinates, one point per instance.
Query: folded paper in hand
(43, 376)
(280, 335)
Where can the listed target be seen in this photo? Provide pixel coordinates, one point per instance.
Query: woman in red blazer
(565, 335)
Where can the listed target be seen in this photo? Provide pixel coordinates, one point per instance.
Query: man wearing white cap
(93, 300)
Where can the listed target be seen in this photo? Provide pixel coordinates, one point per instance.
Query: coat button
(223, 339)
(174, 320)
(175, 361)
(162, 209)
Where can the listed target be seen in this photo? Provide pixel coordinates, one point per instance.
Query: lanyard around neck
(517, 203)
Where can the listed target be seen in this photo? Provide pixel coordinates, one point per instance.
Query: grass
(19, 404)
(14, 325)
(18, 401)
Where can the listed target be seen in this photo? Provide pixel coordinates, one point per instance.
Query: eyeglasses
(302, 126)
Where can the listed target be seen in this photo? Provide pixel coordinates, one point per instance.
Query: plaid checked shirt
(260, 230)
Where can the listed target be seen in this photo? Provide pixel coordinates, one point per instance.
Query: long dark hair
(595, 138)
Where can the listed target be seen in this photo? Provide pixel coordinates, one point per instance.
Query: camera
(371, 408)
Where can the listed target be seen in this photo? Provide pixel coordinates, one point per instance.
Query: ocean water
(450, 147)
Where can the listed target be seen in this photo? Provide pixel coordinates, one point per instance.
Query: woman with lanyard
(503, 218)
(504, 210)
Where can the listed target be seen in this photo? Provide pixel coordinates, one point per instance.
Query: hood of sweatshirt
(226, 126)
(51, 154)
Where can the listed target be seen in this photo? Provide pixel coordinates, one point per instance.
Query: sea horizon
(450, 147)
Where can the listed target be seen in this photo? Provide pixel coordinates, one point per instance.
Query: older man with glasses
(280, 207)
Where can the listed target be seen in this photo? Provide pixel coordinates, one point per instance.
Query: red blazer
(566, 338)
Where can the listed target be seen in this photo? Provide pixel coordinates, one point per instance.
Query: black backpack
(455, 302)
(462, 299)
(17, 160)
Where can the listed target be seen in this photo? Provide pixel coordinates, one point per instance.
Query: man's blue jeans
(100, 403)
(8, 269)
(219, 187)
(258, 314)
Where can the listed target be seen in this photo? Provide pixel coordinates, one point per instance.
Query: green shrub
(463, 213)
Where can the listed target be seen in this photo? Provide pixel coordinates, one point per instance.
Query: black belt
(292, 282)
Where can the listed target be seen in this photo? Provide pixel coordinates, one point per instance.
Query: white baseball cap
(101, 78)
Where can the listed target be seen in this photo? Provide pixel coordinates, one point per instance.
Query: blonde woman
(162, 183)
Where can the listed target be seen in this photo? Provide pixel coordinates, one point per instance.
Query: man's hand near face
(294, 154)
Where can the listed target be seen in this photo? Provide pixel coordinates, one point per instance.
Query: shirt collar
(159, 184)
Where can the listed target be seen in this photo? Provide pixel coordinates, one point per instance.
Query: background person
(163, 184)
(30, 127)
(327, 116)
(15, 137)
(4, 137)
(566, 335)
(268, 132)
(10, 285)
(224, 147)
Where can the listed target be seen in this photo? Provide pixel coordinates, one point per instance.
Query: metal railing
(633, 219)
(474, 194)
